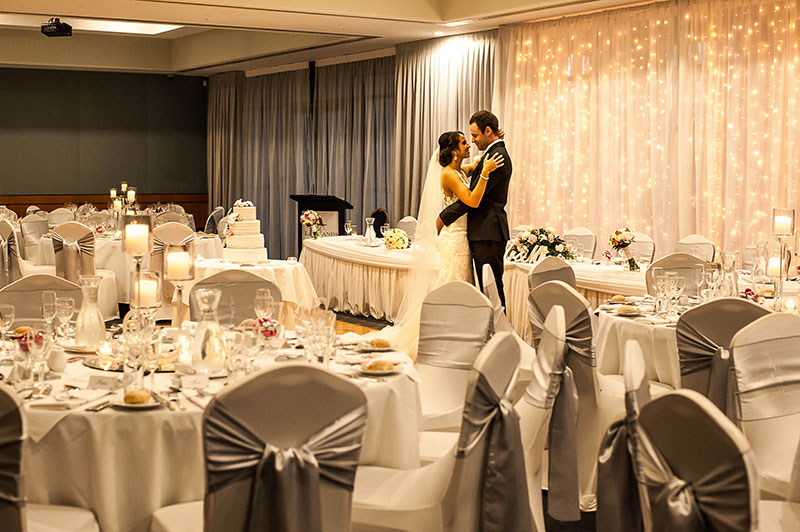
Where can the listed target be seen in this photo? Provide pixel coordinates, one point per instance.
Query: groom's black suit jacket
(487, 221)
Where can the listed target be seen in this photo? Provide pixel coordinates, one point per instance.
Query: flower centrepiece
(396, 239)
(619, 241)
(532, 242)
(312, 220)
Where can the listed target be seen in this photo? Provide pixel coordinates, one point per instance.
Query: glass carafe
(729, 283)
(90, 330)
(209, 347)
(759, 271)
(369, 231)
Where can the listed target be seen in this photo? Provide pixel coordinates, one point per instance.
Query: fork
(173, 396)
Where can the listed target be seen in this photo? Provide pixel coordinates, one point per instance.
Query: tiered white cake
(244, 242)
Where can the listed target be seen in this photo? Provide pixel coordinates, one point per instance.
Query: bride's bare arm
(471, 198)
(468, 168)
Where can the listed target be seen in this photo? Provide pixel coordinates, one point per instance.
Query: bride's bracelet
(486, 177)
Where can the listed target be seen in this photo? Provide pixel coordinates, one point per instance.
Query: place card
(104, 382)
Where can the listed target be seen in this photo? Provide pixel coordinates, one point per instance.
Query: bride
(448, 253)
(455, 259)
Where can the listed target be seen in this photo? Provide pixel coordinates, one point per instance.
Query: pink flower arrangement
(748, 293)
(99, 230)
(267, 327)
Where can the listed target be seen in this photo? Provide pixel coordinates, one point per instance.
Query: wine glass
(348, 228)
(65, 307)
(263, 303)
(385, 229)
(39, 345)
(676, 289)
(6, 321)
(49, 307)
(153, 355)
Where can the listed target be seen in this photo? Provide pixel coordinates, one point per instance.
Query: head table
(125, 464)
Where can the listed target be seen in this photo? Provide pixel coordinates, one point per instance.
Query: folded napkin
(62, 401)
(653, 320)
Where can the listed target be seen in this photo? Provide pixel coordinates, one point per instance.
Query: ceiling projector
(55, 28)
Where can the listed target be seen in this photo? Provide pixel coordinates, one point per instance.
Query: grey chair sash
(697, 352)
(74, 259)
(579, 332)
(5, 263)
(12, 270)
(504, 493)
(12, 437)
(618, 502)
(562, 444)
(285, 491)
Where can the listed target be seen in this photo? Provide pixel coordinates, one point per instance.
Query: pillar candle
(147, 291)
(179, 264)
(137, 239)
(782, 225)
(117, 204)
(131, 196)
(774, 267)
(123, 186)
(113, 192)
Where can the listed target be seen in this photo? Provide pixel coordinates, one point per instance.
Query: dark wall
(64, 132)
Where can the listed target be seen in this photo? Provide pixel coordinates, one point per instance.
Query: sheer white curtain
(673, 118)
(439, 84)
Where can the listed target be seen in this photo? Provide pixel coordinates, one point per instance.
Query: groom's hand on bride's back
(439, 225)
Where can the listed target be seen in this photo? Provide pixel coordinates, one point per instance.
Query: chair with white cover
(455, 323)
(642, 246)
(685, 264)
(585, 238)
(59, 216)
(28, 309)
(96, 218)
(580, 358)
(9, 266)
(8, 214)
(465, 490)
(85, 210)
(704, 334)
(17, 515)
(73, 246)
(287, 467)
(168, 216)
(238, 289)
(174, 207)
(409, 225)
(549, 269)
(32, 209)
(214, 218)
(764, 356)
(163, 235)
(697, 245)
(33, 227)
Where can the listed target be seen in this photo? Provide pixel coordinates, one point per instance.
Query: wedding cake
(244, 242)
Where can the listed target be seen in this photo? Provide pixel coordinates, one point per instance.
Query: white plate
(120, 403)
(378, 373)
(366, 347)
(629, 314)
(71, 347)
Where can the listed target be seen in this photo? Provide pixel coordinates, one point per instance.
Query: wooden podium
(330, 208)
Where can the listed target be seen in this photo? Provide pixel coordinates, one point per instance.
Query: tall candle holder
(137, 242)
(783, 223)
(178, 268)
(130, 196)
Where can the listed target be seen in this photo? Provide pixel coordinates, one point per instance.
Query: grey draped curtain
(352, 132)
(258, 148)
(439, 84)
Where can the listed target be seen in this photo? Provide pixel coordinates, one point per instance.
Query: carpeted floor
(586, 524)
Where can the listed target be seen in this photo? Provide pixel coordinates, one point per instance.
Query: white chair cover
(767, 370)
(704, 334)
(86, 209)
(15, 515)
(10, 261)
(700, 477)
(213, 219)
(585, 238)
(266, 473)
(174, 207)
(33, 209)
(59, 216)
(7, 214)
(684, 264)
(97, 218)
(461, 491)
(551, 390)
(238, 291)
(697, 245)
(455, 323)
(168, 216)
(580, 358)
(33, 227)
(642, 246)
(409, 225)
(73, 245)
(25, 295)
(551, 269)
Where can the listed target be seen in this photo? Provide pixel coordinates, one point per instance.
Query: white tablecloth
(124, 465)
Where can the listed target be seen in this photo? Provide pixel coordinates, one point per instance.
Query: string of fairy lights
(673, 118)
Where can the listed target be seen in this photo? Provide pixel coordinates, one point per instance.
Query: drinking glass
(677, 287)
(348, 227)
(65, 307)
(153, 354)
(39, 346)
(669, 285)
(263, 303)
(23, 365)
(236, 363)
(385, 229)
(303, 325)
(6, 321)
(49, 307)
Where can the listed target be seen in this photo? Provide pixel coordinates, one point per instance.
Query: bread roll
(380, 343)
(19, 331)
(380, 365)
(618, 299)
(137, 397)
(626, 309)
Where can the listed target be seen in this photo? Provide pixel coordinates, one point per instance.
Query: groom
(487, 224)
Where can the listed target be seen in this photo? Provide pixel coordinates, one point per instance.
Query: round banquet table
(125, 464)
(108, 255)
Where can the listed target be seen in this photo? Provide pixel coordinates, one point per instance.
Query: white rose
(525, 234)
(551, 229)
(542, 237)
(560, 248)
(551, 237)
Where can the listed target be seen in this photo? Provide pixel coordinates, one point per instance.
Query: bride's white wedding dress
(455, 259)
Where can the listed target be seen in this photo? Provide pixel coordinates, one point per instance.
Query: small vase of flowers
(619, 241)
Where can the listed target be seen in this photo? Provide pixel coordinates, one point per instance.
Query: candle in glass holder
(774, 267)
(147, 292)
(113, 192)
(179, 263)
(790, 305)
(782, 225)
(137, 239)
(117, 204)
(123, 186)
(131, 193)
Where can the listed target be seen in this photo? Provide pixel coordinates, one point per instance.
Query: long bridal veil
(421, 276)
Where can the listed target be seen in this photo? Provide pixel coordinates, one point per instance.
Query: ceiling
(223, 35)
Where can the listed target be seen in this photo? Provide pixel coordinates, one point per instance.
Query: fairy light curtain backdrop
(673, 118)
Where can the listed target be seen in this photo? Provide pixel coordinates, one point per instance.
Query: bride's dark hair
(448, 142)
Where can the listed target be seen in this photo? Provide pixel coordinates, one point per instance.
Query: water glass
(23, 365)
(6, 321)
(65, 308)
(237, 361)
(348, 227)
(263, 304)
(38, 342)
(49, 307)
(385, 229)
